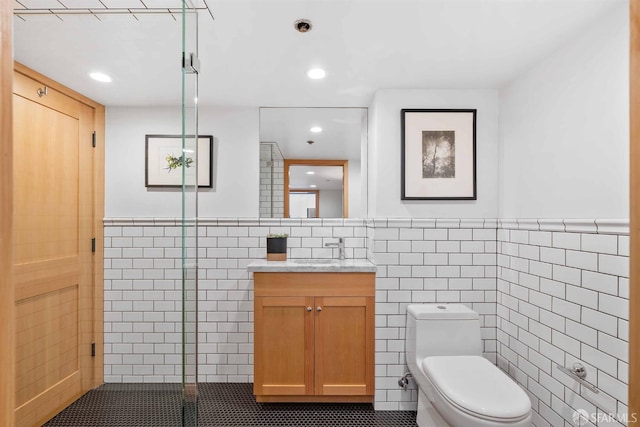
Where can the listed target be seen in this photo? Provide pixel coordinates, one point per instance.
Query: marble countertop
(313, 265)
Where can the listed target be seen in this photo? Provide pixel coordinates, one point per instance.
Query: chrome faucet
(340, 246)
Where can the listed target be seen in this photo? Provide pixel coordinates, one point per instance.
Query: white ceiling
(251, 55)
(340, 138)
(324, 177)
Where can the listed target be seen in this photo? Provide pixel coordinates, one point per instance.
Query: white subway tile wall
(569, 304)
(427, 261)
(143, 297)
(546, 296)
(271, 181)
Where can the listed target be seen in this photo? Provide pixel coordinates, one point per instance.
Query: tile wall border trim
(547, 224)
(593, 226)
(613, 226)
(244, 222)
(573, 225)
(580, 226)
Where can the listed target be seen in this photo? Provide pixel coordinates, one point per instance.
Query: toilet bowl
(457, 386)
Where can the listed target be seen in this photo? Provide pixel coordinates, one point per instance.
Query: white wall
(300, 203)
(236, 164)
(384, 153)
(331, 204)
(564, 129)
(355, 191)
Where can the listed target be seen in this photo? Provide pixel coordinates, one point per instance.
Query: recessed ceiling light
(302, 25)
(316, 129)
(313, 186)
(311, 173)
(101, 77)
(316, 73)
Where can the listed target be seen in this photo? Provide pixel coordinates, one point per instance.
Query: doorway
(329, 179)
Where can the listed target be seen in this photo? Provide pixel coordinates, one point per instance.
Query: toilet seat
(475, 386)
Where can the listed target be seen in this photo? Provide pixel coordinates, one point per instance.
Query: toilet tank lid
(441, 311)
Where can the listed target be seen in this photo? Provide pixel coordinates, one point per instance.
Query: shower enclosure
(190, 70)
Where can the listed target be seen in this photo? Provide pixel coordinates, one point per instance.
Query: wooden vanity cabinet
(314, 337)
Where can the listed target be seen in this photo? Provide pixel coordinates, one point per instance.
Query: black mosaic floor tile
(135, 405)
(219, 405)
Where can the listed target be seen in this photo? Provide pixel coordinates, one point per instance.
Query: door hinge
(93, 244)
(93, 139)
(93, 349)
(191, 63)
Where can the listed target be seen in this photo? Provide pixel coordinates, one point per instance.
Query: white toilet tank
(442, 330)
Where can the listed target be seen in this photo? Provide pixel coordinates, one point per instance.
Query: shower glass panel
(190, 69)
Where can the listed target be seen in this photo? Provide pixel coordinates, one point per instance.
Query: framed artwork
(163, 160)
(438, 154)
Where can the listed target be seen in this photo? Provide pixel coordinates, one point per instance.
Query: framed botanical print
(164, 160)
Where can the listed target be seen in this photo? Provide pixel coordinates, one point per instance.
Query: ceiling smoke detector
(302, 25)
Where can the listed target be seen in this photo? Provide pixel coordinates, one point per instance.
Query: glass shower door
(190, 69)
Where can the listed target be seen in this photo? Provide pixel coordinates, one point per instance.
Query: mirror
(303, 147)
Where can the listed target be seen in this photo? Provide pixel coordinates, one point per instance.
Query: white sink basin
(313, 261)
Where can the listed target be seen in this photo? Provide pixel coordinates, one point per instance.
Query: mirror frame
(316, 162)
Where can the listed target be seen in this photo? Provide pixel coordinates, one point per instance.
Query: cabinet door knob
(309, 308)
(319, 308)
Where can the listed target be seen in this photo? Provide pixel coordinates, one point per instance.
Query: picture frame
(162, 172)
(438, 154)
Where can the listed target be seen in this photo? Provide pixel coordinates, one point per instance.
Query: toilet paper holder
(578, 372)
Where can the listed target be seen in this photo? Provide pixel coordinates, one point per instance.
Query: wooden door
(7, 318)
(344, 333)
(53, 210)
(283, 346)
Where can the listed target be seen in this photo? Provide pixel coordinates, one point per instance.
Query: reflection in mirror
(316, 189)
(313, 134)
(304, 203)
(271, 181)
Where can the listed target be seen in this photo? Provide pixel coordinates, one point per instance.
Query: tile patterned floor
(219, 405)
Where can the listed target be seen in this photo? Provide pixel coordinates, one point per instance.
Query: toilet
(457, 387)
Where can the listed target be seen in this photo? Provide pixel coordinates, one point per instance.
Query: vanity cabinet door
(344, 347)
(284, 346)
